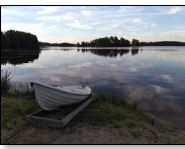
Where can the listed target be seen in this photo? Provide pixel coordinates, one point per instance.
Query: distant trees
(44, 44)
(18, 40)
(163, 43)
(124, 42)
(112, 41)
(78, 44)
(64, 44)
(3, 41)
(135, 43)
(84, 44)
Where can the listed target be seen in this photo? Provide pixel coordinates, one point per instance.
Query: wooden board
(43, 121)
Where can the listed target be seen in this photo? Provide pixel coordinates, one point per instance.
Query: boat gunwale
(54, 88)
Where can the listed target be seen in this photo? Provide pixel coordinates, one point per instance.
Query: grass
(106, 109)
(112, 110)
(12, 109)
(22, 90)
(13, 112)
(105, 112)
(5, 82)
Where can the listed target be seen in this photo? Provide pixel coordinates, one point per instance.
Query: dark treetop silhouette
(18, 40)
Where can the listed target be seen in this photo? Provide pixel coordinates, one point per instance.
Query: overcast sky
(84, 23)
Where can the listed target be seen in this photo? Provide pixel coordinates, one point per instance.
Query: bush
(5, 82)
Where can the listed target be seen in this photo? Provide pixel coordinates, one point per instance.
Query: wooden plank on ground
(58, 123)
(70, 116)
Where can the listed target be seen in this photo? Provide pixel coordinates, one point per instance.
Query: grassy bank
(20, 90)
(106, 120)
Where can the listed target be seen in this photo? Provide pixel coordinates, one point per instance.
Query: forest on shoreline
(18, 40)
(114, 41)
(163, 43)
(12, 39)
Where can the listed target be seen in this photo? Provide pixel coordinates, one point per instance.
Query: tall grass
(22, 90)
(15, 89)
(110, 109)
(5, 82)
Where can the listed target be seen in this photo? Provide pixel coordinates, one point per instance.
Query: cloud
(26, 27)
(96, 23)
(153, 25)
(144, 23)
(77, 24)
(86, 13)
(68, 16)
(173, 10)
(137, 21)
(115, 25)
(74, 70)
(174, 34)
(47, 10)
(167, 78)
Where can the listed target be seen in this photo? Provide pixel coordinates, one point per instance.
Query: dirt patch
(100, 123)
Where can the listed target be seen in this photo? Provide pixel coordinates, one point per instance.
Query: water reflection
(154, 77)
(106, 52)
(18, 57)
(134, 51)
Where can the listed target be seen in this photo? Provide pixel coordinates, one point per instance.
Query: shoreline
(104, 121)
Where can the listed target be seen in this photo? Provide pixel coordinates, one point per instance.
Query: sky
(84, 23)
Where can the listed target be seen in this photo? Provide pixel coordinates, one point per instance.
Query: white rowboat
(50, 98)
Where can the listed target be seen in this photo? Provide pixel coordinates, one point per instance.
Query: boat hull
(50, 98)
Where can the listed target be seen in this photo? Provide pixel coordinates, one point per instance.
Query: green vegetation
(106, 42)
(20, 90)
(108, 109)
(5, 82)
(109, 116)
(18, 40)
(3, 41)
(163, 43)
(135, 43)
(13, 109)
(64, 44)
(13, 112)
(106, 117)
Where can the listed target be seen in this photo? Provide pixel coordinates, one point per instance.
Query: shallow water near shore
(152, 76)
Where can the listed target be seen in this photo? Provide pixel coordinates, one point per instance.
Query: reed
(5, 81)
(15, 89)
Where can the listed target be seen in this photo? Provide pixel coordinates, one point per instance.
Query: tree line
(112, 41)
(18, 40)
(21, 40)
(163, 43)
(64, 44)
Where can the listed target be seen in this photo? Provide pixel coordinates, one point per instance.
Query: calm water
(153, 76)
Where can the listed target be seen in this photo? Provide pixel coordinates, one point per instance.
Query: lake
(154, 77)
